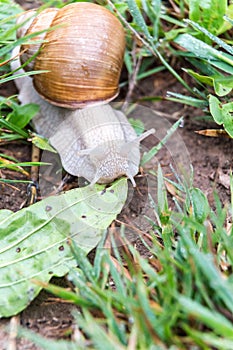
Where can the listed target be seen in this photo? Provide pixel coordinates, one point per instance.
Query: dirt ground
(211, 158)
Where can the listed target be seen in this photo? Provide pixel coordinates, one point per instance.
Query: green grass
(179, 297)
(193, 31)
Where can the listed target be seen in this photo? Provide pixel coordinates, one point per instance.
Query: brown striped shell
(83, 55)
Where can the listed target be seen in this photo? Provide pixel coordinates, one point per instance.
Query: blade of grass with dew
(153, 151)
(188, 100)
(209, 338)
(204, 67)
(212, 319)
(138, 18)
(153, 11)
(9, 181)
(222, 288)
(14, 128)
(22, 164)
(65, 294)
(21, 75)
(101, 339)
(9, 137)
(204, 51)
(90, 291)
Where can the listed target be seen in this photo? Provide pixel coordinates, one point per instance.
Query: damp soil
(211, 159)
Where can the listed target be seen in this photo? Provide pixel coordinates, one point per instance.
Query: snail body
(95, 141)
(105, 147)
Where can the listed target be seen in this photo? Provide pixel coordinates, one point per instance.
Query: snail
(83, 57)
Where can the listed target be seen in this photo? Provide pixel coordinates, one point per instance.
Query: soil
(211, 159)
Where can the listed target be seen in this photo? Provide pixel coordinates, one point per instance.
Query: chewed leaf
(35, 241)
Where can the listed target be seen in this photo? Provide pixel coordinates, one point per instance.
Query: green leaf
(221, 89)
(35, 241)
(7, 18)
(222, 85)
(200, 205)
(215, 109)
(201, 78)
(22, 115)
(42, 143)
(225, 80)
(208, 13)
(222, 113)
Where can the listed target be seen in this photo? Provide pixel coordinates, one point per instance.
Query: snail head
(115, 158)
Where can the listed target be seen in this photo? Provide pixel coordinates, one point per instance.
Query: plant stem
(151, 47)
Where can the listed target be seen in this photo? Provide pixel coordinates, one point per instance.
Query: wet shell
(83, 54)
(34, 24)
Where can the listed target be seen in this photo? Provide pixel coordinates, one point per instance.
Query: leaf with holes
(35, 241)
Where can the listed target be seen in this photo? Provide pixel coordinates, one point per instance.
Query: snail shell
(83, 55)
